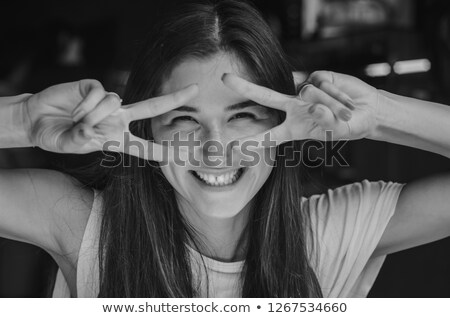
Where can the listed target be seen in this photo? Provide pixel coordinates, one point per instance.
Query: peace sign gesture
(308, 116)
(80, 117)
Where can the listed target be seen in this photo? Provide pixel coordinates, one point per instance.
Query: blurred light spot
(412, 66)
(378, 69)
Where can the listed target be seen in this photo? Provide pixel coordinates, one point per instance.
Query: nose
(215, 148)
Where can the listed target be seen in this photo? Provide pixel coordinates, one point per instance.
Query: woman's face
(215, 182)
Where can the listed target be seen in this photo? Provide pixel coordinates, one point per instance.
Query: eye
(183, 119)
(243, 116)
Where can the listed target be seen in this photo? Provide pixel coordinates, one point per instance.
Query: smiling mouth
(221, 180)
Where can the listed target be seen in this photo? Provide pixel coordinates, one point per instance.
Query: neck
(220, 238)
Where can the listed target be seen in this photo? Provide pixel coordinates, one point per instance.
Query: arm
(423, 210)
(48, 208)
(412, 122)
(12, 119)
(422, 213)
(44, 208)
(37, 205)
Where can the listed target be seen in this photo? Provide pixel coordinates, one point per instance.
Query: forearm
(412, 122)
(13, 132)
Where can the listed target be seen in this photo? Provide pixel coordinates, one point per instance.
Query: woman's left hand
(315, 112)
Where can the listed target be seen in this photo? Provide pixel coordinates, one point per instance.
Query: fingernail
(114, 94)
(318, 111)
(312, 109)
(80, 114)
(350, 104)
(345, 114)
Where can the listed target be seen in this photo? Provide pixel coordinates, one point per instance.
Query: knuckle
(331, 76)
(315, 76)
(95, 83)
(319, 76)
(322, 85)
(307, 90)
(113, 101)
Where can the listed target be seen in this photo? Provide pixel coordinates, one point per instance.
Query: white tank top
(347, 223)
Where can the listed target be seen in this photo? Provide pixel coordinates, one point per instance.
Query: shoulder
(364, 195)
(347, 224)
(352, 213)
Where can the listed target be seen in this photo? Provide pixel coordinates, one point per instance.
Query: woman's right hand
(80, 117)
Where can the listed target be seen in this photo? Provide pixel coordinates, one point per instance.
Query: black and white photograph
(225, 149)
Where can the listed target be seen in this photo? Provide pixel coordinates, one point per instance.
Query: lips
(218, 179)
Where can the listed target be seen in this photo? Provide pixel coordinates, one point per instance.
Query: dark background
(48, 42)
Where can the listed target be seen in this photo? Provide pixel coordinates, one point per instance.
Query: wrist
(384, 117)
(15, 123)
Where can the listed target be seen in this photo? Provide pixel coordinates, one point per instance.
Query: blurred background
(402, 46)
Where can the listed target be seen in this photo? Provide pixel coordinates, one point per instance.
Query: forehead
(207, 74)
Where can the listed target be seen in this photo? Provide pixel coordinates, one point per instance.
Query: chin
(220, 210)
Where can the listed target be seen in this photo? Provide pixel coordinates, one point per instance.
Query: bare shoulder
(46, 208)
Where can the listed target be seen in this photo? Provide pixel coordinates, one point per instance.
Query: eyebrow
(237, 106)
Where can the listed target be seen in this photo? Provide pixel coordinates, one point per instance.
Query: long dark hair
(143, 233)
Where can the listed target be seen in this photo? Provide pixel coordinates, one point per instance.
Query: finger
(321, 76)
(329, 76)
(327, 81)
(326, 126)
(312, 94)
(259, 94)
(159, 105)
(106, 107)
(323, 116)
(93, 92)
(337, 94)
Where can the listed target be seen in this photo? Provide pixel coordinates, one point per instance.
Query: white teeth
(221, 180)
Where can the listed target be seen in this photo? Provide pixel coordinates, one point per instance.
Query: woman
(174, 228)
